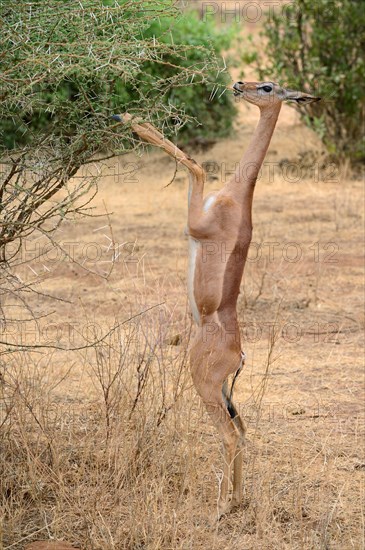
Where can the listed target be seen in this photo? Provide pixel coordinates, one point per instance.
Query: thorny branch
(66, 68)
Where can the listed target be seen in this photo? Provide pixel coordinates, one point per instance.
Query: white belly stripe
(209, 201)
(193, 249)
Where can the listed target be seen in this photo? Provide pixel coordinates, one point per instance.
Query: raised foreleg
(200, 224)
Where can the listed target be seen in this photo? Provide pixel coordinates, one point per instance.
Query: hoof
(236, 503)
(223, 509)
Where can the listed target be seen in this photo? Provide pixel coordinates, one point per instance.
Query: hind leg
(230, 437)
(238, 458)
(210, 390)
(238, 470)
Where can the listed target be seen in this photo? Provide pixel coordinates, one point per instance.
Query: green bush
(319, 46)
(67, 66)
(207, 103)
(168, 68)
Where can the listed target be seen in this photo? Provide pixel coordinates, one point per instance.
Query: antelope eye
(266, 88)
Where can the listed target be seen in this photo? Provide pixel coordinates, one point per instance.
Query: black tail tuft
(227, 396)
(231, 409)
(233, 413)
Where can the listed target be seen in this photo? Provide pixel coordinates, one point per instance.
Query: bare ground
(142, 471)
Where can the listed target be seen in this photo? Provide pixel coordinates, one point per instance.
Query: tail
(228, 395)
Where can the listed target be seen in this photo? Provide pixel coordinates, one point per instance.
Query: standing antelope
(220, 229)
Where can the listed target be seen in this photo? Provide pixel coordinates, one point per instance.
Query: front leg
(197, 226)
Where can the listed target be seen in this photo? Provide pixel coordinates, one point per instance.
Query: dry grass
(109, 447)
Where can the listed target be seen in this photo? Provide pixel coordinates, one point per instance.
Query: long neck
(243, 181)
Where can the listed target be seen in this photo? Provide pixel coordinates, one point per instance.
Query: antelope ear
(305, 99)
(300, 97)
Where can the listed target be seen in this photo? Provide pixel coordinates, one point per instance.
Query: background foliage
(93, 60)
(68, 66)
(319, 47)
